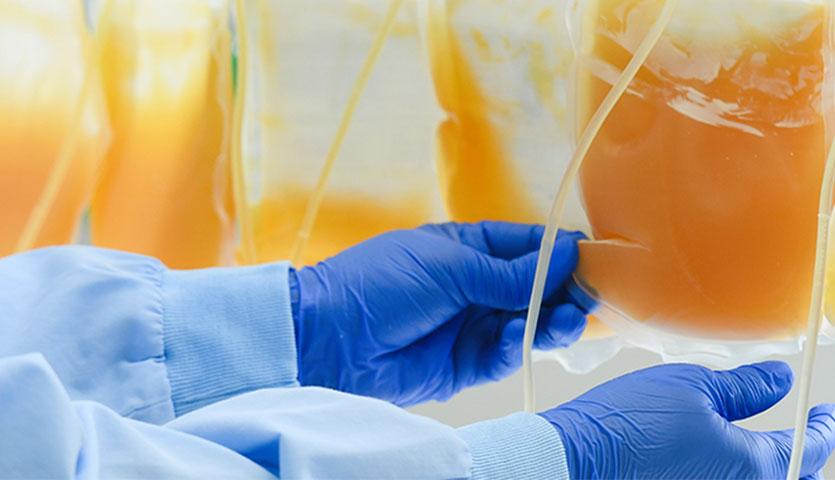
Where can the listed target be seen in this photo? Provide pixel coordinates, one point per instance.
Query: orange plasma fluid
(702, 188)
(165, 190)
(343, 221)
(46, 52)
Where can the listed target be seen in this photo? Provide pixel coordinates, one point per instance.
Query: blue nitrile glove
(674, 421)
(417, 315)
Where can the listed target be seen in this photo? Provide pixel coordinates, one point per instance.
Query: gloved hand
(674, 421)
(415, 315)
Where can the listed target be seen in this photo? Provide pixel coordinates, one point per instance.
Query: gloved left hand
(417, 315)
(676, 421)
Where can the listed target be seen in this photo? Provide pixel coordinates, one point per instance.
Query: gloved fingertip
(822, 426)
(563, 326)
(579, 322)
(751, 389)
(510, 348)
(564, 260)
(780, 374)
(820, 440)
(823, 409)
(581, 298)
(513, 333)
(565, 240)
(574, 235)
(537, 231)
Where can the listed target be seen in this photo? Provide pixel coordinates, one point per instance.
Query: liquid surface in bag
(702, 186)
(304, 62)
(276, 221)
(52, 105)
(165, 190)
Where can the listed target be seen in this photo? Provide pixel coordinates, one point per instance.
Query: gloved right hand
(675, 421)
(416, 315)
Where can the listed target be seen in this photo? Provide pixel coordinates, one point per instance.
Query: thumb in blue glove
(675, 421)
(417, 315)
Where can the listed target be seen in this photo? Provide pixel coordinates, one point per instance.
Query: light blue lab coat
(113, 366)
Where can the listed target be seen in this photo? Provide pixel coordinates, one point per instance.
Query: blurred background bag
(304, 60)
(165, 189)
(53, 129)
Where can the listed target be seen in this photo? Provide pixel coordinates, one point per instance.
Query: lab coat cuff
(521, 445)
(227, 331)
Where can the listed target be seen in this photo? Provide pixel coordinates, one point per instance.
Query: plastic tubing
(815, 317)
(312, 209)
(555, 215)
(37, 217)
(238, 168)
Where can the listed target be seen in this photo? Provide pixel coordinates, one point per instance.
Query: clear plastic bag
(708, 181)
(304, 69)
(53, 129)
(165, 190)
(702, 186)
(501, 72)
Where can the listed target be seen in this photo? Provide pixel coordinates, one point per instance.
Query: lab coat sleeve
(285, 432)
(148, 342)
(129, 338)
(45, 435)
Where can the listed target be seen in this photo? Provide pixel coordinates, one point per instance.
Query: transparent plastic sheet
(502, 72)
(304, 60)
(166, 187)
(53, 130)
